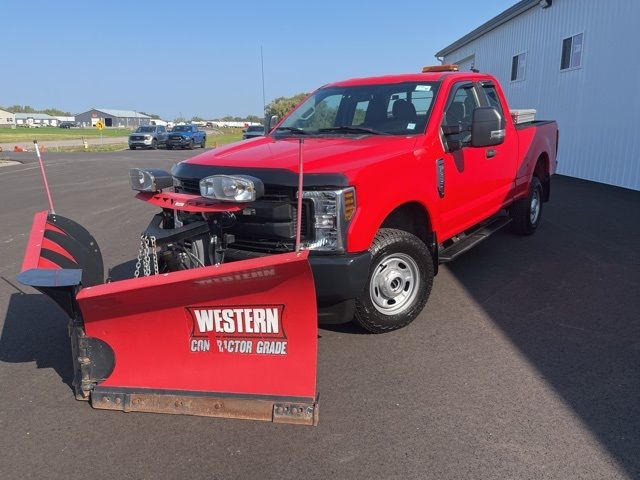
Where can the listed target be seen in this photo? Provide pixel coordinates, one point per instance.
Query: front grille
(188, 185)
(261, 242)
(137, 138)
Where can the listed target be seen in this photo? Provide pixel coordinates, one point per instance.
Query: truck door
(473, 178)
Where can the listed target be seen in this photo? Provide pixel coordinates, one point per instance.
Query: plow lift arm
(235, 340)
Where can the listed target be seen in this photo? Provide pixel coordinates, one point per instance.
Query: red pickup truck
(401, 173)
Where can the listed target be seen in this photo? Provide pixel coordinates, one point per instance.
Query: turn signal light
(349, 204)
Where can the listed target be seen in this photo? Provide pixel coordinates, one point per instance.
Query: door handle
(490, 153)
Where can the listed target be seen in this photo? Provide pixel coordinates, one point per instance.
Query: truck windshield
(389, 109)
(182, 128)
(145, 129)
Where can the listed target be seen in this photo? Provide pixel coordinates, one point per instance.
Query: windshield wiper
(350, 129)
(299, 131)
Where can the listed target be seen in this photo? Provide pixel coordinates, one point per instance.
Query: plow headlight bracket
(232, 188)
(149, 180)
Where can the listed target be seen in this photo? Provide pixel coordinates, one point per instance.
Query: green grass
(109, 147)
(8, 135)
(228, 135)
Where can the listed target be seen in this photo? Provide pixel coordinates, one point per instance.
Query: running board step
(471, 240)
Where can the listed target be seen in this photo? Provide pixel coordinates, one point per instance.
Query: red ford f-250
(402, 173)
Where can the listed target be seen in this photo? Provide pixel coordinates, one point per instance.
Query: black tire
(391, 245)
(132, 147)
(190, 144)
(169, 147)
(154, 144)
(203, 144)
(524, 222)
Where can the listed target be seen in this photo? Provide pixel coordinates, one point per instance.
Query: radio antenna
(264, 101)
(299, 209)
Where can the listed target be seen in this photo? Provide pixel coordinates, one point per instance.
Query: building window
(571, 52)
(518, 65)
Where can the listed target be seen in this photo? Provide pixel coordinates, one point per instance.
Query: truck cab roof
(411, 77)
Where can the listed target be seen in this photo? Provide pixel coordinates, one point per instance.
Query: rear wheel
(526, 213)
(399, 282)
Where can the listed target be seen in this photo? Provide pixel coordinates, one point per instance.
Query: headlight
(149, 180)
(147, 137)
(333, 211)
(232, 188)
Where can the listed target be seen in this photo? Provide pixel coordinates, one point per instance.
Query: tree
(29, 109)
(196, 118)
(281, 106)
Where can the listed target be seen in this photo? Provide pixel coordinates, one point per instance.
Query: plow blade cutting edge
(235, 340)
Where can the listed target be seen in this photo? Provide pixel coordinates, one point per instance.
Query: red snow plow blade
(235, 340)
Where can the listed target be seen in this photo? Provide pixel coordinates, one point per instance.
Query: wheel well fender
(413, 217)
(541, 171)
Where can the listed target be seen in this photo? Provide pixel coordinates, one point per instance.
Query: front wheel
(154, 144)
(399, 283)
(190, 144)
(204, 142)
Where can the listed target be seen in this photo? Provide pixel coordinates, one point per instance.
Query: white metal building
(7, 119)
(35, 119)
(575, 62)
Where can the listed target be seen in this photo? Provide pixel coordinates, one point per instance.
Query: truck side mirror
(273, 121)
(487, 127)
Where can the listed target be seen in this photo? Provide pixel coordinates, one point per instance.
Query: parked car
(402, 173)
(149, 136)
(67, 125)
(186, 136)
(253, 131)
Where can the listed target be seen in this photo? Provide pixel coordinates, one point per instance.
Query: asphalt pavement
(525, 363)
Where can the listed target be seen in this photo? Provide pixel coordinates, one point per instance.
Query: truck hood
(321, 154)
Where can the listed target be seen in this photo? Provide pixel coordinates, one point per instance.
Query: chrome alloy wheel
(534, 208)
(394, 284)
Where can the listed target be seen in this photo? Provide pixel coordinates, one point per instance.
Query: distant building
(157, 121)
(35, 119)
(7, 119)
(573, 61)
(62, 118)
(112, 118)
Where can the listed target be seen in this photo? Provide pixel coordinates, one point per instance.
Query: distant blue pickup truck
(186, 136)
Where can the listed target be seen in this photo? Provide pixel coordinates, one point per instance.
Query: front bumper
(339, 278)
(141, 143)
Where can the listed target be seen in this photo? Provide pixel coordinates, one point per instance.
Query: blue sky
(203, 57)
